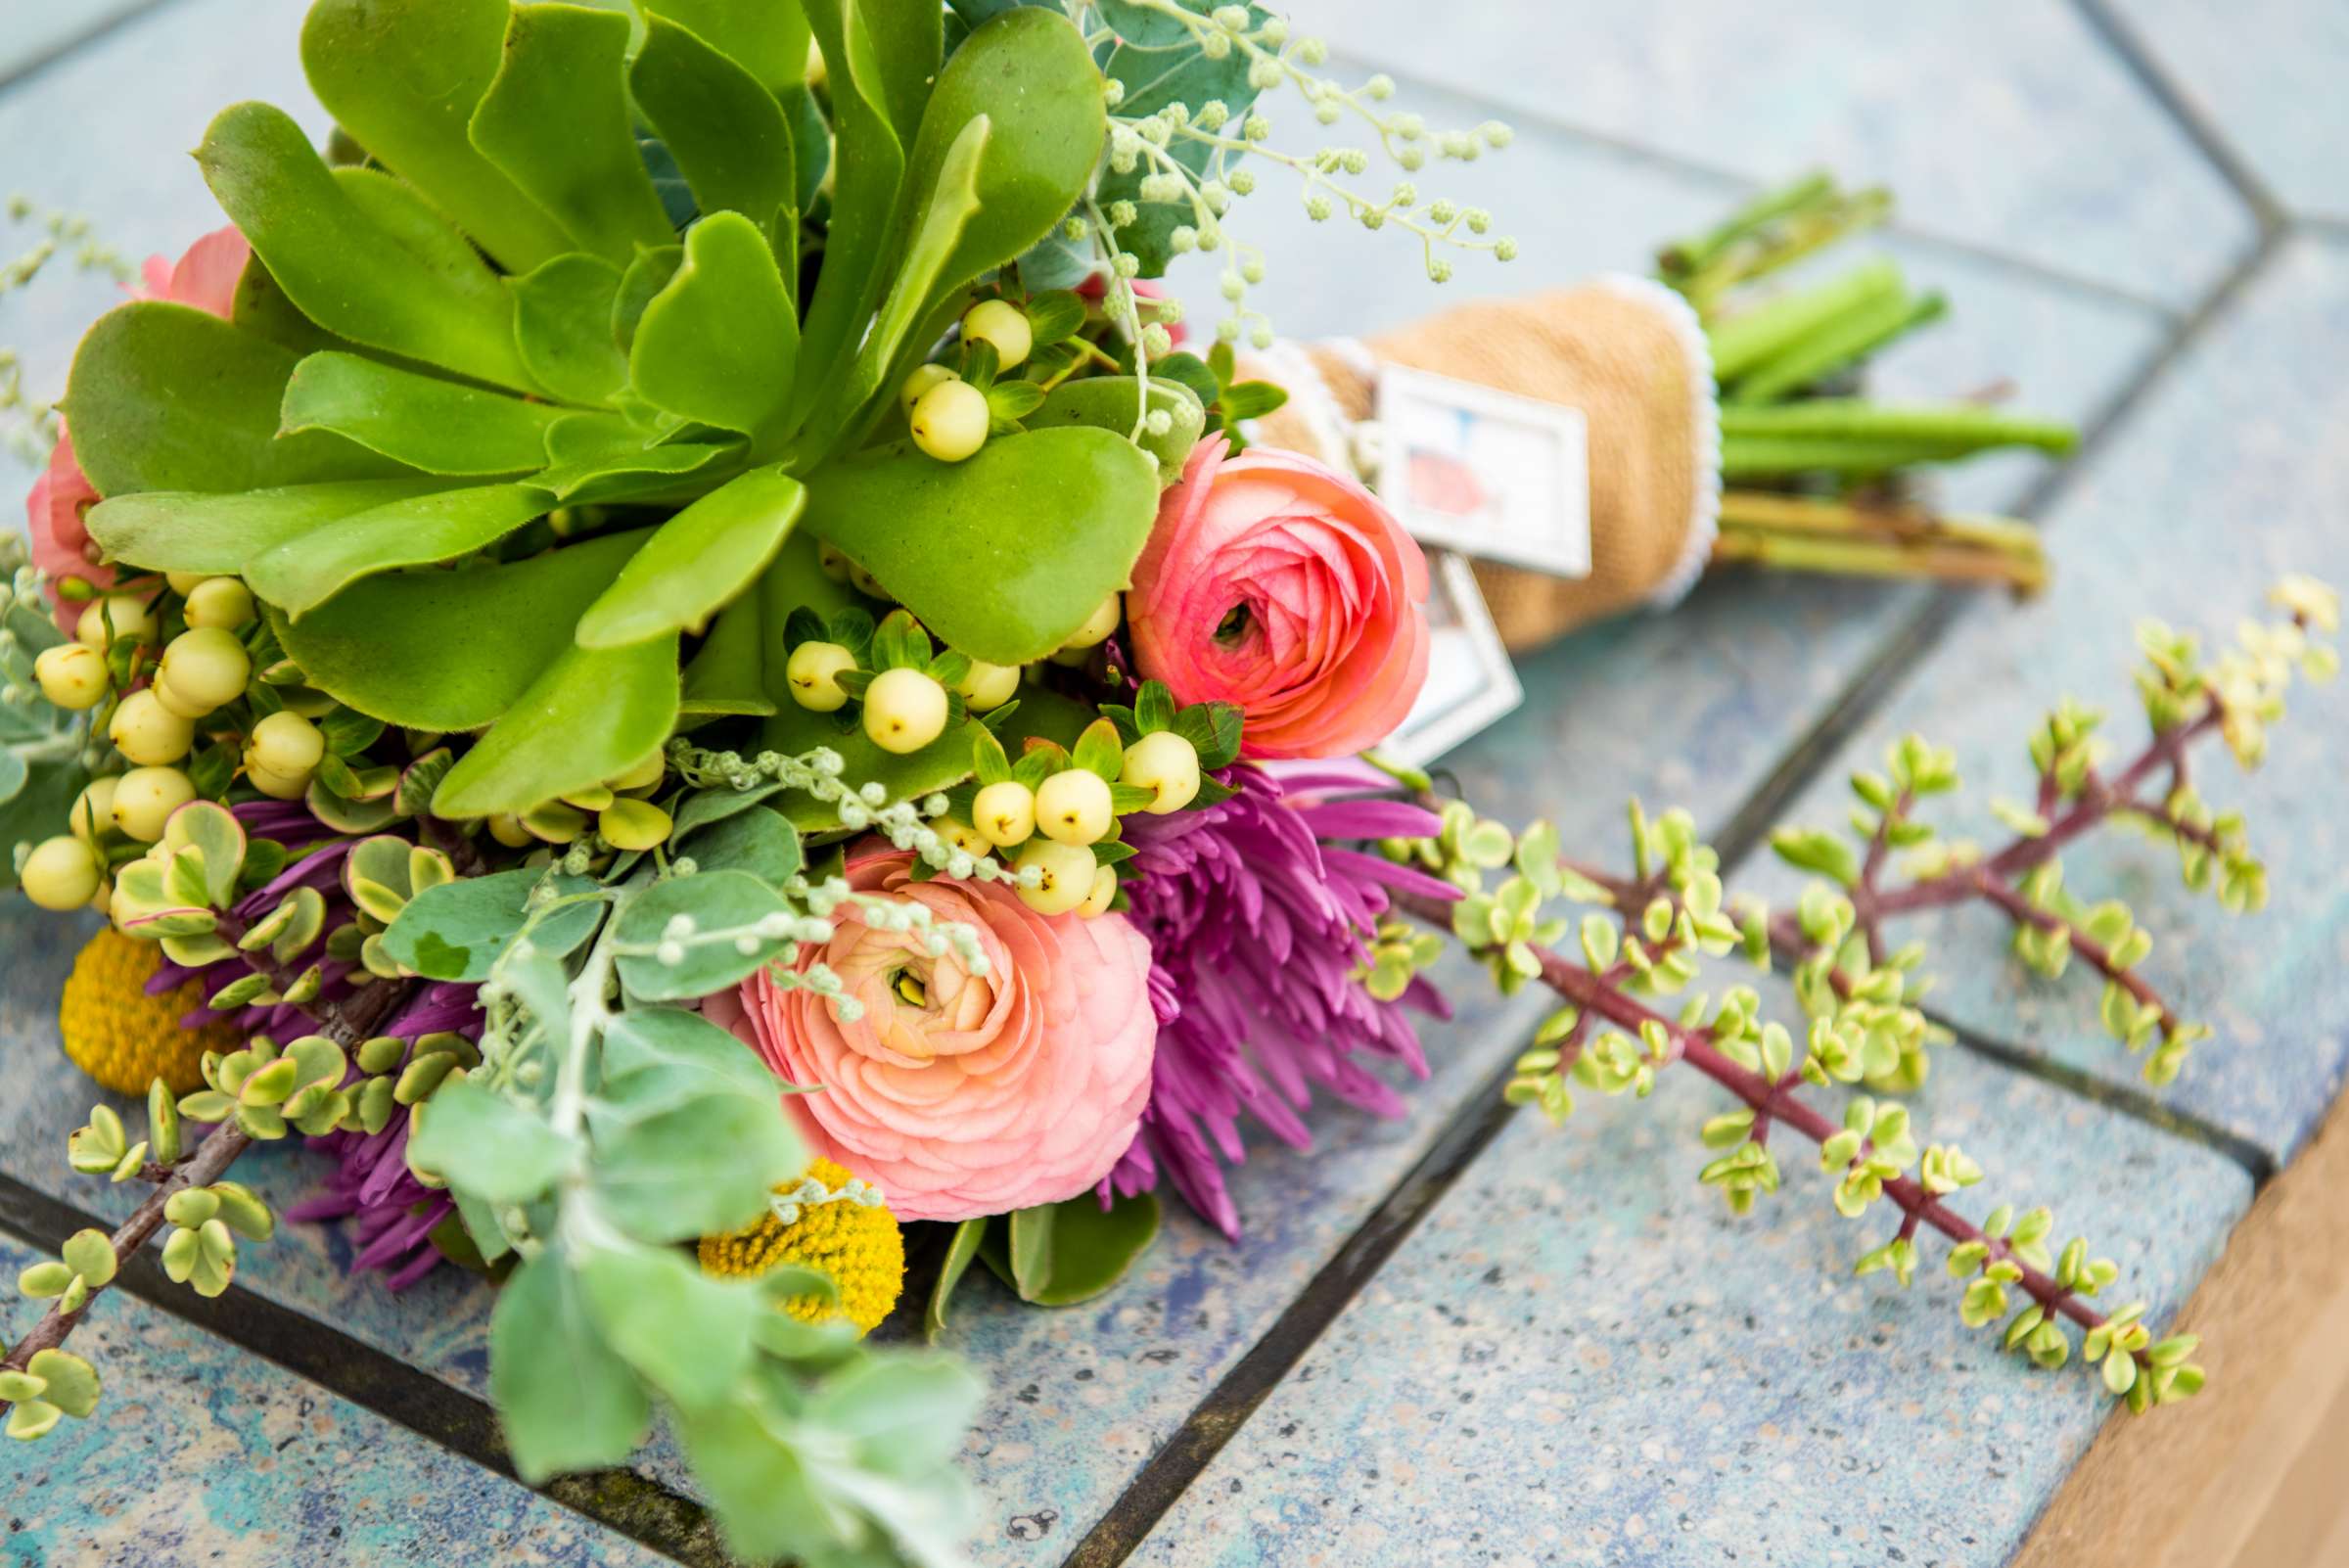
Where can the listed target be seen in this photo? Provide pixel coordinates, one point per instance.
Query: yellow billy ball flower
(123, 1037)
(829, 1221)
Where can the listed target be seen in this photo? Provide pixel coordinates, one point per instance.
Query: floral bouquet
(660, 653)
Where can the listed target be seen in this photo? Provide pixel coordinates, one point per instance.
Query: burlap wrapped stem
(1632, 356)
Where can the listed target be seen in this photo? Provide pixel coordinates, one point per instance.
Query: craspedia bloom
(124, 1037)
(840, 1229)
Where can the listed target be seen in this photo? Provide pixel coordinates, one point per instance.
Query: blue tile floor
(1461, 1339)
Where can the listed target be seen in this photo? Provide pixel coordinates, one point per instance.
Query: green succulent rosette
(604, 319)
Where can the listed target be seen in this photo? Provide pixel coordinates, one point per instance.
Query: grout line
(1735, 181)
(64, 48)
(621, 1500)
(2138, 61)
(1235, 1398)
(1219, 1417)
(2124, 1099)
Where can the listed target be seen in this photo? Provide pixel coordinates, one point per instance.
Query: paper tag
(1490, 472)
(1470, 681)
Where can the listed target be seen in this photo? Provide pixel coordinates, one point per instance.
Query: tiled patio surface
(1464, 1339)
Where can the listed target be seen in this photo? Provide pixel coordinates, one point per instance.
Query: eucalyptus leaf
(725, 129)
(686, 1050)
(301, 573)
(699, 1166)
(457, 930)
(565, 1400)
(363, 256)
(420, 421)
(731, 902)
(555, 120)
(758, 841)
(592, 713)
(403, 77)
(697, 561)
(717, 343)
(166, 397)
(685, 1332)
(939, 535)
(486, 1143)
(444, 651)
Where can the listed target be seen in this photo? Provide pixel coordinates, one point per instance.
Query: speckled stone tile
(2267, 75)
(2227, 476)
(2007, 125)
(1578, 208)
(32, 32)
(200, 1453)
(1582, 1357)
(105, 131)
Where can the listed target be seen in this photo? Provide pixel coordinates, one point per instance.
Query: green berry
(950, 420)
(72, 675)
(222, 602)
(988, 686)
(1073, 807)
(904, 710)
(813, 674)
(924, 378)
(1002, 324)
(143, 800)
(1097, 625)
(1005, 813)
(147, 732)
(1068, 876)
(60, 873)
(204, 668)
(1166, 765)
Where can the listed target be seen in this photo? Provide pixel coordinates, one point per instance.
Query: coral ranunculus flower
(961, 1095)
(1278, 583)
(206, 279)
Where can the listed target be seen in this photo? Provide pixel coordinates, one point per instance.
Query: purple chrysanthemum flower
(1258, 924)
(394, 1213)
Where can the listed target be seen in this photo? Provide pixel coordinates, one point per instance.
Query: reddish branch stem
(1778, 1103)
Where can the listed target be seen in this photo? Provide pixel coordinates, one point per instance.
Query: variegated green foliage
(502, 342)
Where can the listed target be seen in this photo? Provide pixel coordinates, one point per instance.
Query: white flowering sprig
(1185, 156)
(28, 425)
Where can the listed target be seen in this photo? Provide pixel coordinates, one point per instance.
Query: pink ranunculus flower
(206, 279)
(962, 1094)
(1278, 583)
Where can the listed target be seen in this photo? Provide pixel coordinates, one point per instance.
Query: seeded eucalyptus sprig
(1644, 937)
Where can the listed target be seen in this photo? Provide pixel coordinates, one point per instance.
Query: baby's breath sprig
(1170, 174)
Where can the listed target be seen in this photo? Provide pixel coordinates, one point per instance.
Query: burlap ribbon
(1630, 354)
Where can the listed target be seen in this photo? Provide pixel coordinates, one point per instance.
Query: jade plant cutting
(665, 651)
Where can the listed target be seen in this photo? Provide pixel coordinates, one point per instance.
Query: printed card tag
(1470, 681)
(1487, 472)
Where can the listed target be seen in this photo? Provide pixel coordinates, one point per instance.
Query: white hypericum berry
(1103, 893)
(923, 378)
(1166, 765)
(144, 730)
(904, 710)
(1004, 325)
(988, 686)
(813, 674)
(1097, 625)
(92, 814)
(144, 800)
(222, 602)
(110, 619)
(962, 836)
(286, 745)
(184, 583)
(833, 564)
(201, 669)
(1073, 805)
(62, 873)
(950, 420)
(1066, 876)
(72, 675)
(1005, 813)
(508, 830)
